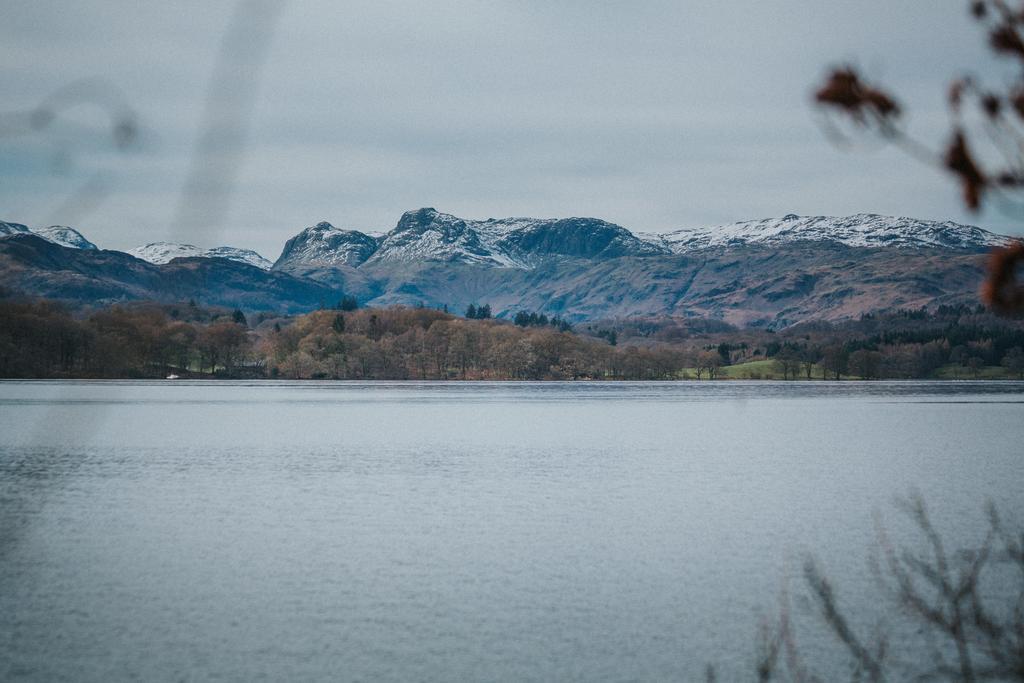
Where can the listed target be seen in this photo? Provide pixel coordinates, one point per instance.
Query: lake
(465, 531)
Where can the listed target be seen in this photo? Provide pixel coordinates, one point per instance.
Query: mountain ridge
(160, 253)
(427, 234)
(858, 230)
(58, 234)
(772, 272)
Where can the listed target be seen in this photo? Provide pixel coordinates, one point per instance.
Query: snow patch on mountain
(58, 234)
(428, 234)
(13, 229)
(325, 245)
(66, 237)
(163, 252)
(587, 238)
(860, 230)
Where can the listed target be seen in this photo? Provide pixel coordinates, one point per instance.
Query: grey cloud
(652, 114)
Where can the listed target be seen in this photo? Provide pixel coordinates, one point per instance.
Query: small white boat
(172, 376)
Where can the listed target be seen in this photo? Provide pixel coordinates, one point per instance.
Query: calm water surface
(407, 531)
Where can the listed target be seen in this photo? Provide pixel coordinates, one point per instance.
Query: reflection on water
(368, 531)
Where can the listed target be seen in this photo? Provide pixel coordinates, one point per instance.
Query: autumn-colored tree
(709, 362)
(223, 345)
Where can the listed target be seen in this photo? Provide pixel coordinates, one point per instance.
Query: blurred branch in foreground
(229, 103)
(986, 158)
(123, 133)
(95, 92)
(954, 599)
(221, 142)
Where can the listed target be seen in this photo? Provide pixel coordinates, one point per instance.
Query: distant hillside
(31, 265)
(771, 272)
(766, 273)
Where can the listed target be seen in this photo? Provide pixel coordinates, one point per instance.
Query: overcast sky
(654, 115)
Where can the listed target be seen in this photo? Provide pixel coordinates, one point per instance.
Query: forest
(43, 339)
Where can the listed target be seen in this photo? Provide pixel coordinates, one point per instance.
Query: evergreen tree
(238, 317)
(484, 312)
(471, 311)
(338, 324)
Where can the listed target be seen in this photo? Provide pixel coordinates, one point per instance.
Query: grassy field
(755, 369)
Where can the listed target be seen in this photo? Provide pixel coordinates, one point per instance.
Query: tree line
(44, 339)
(949, 341)
(422, 343)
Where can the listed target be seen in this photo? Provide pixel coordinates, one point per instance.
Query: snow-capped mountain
(240, 255)
(525, 239)
(325, 245)
(13, 229)
(65, 236)
(58, 234)
(860, 230)
(772, 272)
(164, 252)
(155, 252)
(429, 235)
(510, 242)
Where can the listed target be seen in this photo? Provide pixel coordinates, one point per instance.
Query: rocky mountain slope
(325, 245)
(771, 272)
(429, 235)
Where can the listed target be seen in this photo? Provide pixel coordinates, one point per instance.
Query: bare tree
(809, 357)
(866, 364)
(710, 362)
(834, 360)
(787, 361)
(946, 595)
